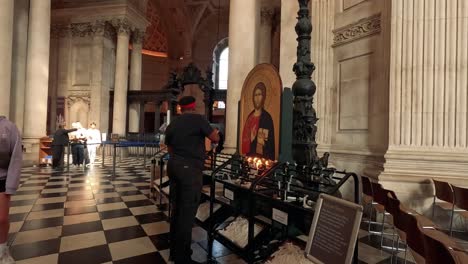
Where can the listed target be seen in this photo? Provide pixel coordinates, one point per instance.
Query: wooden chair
(461, 200)
(393, 207)
(427, 244)
(368, 199)
(413, 235)
(381, 198)
(440, 248)
(444, 192)
(367, 195)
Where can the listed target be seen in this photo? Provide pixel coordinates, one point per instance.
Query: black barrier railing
(280, 187)
(126, 144)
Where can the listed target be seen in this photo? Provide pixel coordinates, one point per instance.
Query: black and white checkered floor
(86, 216)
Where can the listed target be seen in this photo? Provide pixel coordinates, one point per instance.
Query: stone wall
(356, 126)
(350, 49)
(428, 97)
(82, 73)
(155, 72)
(393, 106)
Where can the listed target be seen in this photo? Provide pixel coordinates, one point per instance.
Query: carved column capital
(138, 36)
(81, 29)
(59, 31)
(98, 28)
(102, 28)
(122, 26)
(266, 15)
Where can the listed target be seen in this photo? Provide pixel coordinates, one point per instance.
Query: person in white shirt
(78, 139)
(94, 140)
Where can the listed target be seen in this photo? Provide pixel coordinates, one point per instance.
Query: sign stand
(334, 231)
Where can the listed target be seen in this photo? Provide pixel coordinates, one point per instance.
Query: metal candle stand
(158, 162)
(286, 188)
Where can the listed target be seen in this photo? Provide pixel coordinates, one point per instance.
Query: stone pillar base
(408, 173)
(31, 151)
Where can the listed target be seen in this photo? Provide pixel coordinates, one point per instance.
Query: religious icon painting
(260, 111)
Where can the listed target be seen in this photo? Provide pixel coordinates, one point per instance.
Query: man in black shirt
(58, 145)
(185, 138)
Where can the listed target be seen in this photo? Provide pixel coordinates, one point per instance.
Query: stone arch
(222, 44)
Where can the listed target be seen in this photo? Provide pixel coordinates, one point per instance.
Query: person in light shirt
(94, 140)
(78, 139)
(11, 156)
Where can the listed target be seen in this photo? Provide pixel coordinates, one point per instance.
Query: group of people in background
(83, 142)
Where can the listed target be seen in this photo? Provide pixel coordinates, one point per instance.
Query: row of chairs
(420, 234)
(453, 198)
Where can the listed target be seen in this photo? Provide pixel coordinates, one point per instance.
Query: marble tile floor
(85, 216)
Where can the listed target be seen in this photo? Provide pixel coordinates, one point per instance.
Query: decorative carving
(59, 31)
(122, 26)
(191, 75)
(81, 29)
(99, 28)
(304, 115)
(209, 84)
(173, 82)
(303, 67)
(138, 36)
(266, 15)
(363, 28)
(76, 96)
(110, 32)
(323, 161)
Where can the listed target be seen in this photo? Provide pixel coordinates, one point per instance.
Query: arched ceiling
(172, 23)
(156, 36)
(181, 18)
(201, 9)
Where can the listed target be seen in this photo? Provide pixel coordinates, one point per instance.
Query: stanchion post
(68, 157)
(144, 156)
(103, 153)
(114, 160)
(120, 154)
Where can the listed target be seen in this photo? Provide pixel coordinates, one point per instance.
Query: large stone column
(121, 77)
(322, 16)
(264, 47)
(6, 42)
(243, 27)
(63, 70)
(53, 78)
(99, 30)
(18, 67)
(288, 41)
(135, 79)
(428, 98)
(37, 77)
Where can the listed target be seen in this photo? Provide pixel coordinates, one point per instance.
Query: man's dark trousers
(57, 155)
(186, 185)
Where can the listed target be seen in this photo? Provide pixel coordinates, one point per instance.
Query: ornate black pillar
(208, 89)
(304, 116)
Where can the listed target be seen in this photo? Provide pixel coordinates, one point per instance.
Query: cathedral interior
(389, 102)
